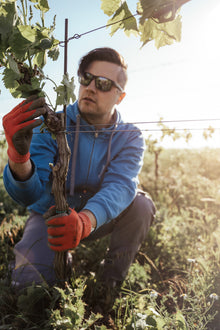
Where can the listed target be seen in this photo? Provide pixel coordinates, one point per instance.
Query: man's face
(97, 107)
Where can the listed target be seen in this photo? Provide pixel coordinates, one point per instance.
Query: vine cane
(59, 177)
(57, 124)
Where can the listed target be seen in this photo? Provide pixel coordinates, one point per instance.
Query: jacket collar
(73, 112)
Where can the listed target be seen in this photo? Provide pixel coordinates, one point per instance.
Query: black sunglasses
(101, 83)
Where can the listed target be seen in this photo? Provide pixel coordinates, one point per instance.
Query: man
(105, 199)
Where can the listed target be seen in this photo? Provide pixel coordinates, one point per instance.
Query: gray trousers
(34, 259)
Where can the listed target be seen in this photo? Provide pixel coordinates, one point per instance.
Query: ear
(120, 98)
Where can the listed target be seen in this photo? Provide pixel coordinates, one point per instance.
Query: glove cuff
(87, 226)
(16, 157)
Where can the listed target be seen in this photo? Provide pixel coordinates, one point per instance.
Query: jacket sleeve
(120, 181)
(42, 150)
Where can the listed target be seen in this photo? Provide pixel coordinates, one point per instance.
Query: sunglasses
(101, 83)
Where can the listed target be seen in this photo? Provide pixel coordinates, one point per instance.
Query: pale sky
(177, 82)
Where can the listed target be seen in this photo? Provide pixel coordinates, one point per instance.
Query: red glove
(18, 125)
(65, 231)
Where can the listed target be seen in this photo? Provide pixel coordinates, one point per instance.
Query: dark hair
(104, 54)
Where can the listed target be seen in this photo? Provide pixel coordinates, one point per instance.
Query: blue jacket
(106, 174)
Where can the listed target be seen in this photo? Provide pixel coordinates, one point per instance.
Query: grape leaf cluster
(25, 46)
(158, 20)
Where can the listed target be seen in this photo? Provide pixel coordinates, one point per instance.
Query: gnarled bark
(56, 124)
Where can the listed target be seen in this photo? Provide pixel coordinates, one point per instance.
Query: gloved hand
(65, 231)
(18, 125)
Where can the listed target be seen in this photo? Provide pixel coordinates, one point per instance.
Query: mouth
(88, 99)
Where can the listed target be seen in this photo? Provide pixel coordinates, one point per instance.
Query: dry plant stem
(59, 181)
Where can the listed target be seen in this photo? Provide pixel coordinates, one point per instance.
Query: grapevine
(24, 49)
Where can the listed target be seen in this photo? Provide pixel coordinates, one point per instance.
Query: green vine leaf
(147, 8)
(161, 10)
(110, 6)
(13, 65)
(8, 19)
(28, 32)
(42, 5)
(26, 90)
(65, 91)
(19, 45)
(54, 53)
(40, 59)
(163, 34)
(10, 78)
(128, 25)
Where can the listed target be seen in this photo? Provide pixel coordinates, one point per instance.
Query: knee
(144, 207)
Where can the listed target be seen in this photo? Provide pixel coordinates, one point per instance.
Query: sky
(179, 82)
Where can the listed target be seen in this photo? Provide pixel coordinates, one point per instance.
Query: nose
(91, 86)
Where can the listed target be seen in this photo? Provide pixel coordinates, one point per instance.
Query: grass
(174, 282)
